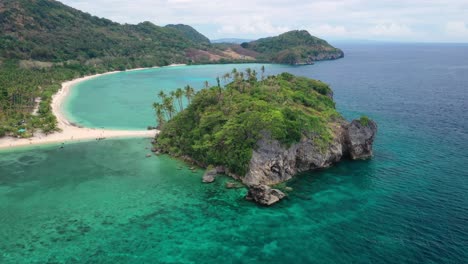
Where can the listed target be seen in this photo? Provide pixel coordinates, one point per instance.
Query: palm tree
(226, 77)
(263, 72)
(248, 72)
(159, 108)
(169, 106)
(218, 82)
(189, 92)
(207, 84)
(235, 74)
(242, 84)
(161, 95)
(178, 95)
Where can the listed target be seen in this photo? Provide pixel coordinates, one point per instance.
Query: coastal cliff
(263, 132)
(273, 163)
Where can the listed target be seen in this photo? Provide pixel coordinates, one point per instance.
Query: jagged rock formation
(273, 163)
(264, 194)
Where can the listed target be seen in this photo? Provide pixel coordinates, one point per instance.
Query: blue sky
(408, 21)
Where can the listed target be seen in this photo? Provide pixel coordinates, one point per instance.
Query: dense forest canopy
(223, 124)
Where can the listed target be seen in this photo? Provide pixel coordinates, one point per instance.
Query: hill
(222, 125)
(48, 30)
(190, 33)
(293, 47)
(262, 132)
(230, 40)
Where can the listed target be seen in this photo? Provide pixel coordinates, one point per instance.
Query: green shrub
(364, 120)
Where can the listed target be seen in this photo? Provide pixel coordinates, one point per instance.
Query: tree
(162, 95)
(189, 92)
(207, 84)
(179, 93)
(235, 74)
(263, 72)
(226, 77)
(248, 72)
(159, 108)
(169, 106)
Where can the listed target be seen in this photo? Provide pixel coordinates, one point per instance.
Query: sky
(381, 20)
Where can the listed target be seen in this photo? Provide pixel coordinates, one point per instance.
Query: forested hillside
(47, 30)
(293, 47)
(44, 42)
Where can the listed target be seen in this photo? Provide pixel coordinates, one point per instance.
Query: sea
(106, 202)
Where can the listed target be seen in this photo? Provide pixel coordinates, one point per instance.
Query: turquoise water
(105, 202)
(131, 94)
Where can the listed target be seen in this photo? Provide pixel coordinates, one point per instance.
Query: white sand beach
(70, 132)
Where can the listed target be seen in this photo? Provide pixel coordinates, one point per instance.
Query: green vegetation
(46, 30)
(293, 47)
(21, 90)
(44, 42)
(223, 124)
(190, 33)
(364, 120)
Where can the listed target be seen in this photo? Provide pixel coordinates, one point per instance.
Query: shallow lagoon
(104, 202)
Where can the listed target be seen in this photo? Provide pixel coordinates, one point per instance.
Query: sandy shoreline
(70, 132)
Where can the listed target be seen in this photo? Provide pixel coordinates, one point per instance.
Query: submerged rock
(264, 194)
(210, 175)
(233, 185)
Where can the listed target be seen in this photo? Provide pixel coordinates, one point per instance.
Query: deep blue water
(106, 203)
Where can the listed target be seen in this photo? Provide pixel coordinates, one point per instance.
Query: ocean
(105, 202)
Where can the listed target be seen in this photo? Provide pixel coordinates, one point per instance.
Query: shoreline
(70, 132)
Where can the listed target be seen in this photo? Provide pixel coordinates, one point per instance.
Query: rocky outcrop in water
(264, 194)
(209, 176)
(273, 163)
(360, 138)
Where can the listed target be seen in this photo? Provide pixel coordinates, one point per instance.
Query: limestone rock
(360, 139)
(273, 163)
(264, 195)
(209, 176)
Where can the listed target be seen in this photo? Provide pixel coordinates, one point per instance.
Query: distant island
(44, 43)
(262, 130)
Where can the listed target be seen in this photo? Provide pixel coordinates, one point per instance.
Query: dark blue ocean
(104, 202)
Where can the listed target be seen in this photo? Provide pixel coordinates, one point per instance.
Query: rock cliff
(274, 163)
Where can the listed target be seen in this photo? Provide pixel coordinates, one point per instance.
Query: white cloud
(251, 25)
(457, 31)
(415, 20)
(391, 30)
(328, 30)
(456, 28)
